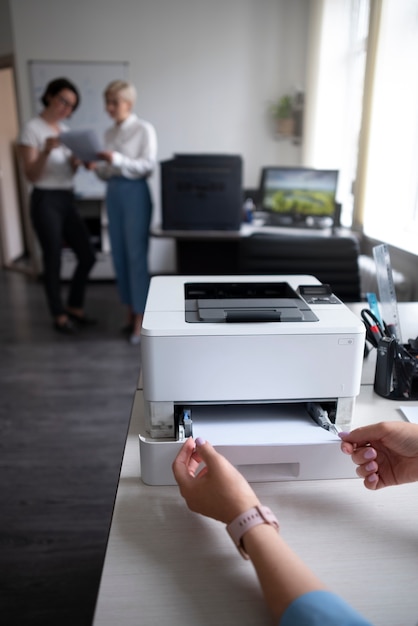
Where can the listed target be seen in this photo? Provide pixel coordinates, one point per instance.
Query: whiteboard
(90, 78)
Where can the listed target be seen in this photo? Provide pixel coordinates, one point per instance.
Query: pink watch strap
(253, 517)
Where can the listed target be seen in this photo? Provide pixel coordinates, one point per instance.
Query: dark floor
(64, 412)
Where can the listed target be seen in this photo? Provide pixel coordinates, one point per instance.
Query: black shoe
(66, 328)
(82, 320)
(127, 330)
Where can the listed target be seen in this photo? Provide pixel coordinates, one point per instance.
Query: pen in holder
(396, 375)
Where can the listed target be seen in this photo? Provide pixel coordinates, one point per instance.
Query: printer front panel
(267, 442)
(251, 368)
(271, 463)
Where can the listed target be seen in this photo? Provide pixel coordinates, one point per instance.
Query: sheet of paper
(83, 143)
(260, 424)
(411, 413)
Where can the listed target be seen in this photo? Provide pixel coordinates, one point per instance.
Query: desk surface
(247, 230)
(166, 565)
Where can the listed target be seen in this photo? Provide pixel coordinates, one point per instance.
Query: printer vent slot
(269, 472)
(216, 291)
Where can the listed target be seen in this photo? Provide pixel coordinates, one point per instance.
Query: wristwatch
(253, 517)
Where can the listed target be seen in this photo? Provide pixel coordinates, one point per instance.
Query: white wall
(206, 72)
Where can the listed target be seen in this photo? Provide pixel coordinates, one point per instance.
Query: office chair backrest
(333, 260)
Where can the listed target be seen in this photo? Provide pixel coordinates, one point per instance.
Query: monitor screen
(297, 193)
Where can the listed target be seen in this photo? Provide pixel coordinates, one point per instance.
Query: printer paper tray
(257, 424)
(266, 442)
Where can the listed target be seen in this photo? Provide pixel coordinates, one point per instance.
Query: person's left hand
(386, 453)
(106, 155)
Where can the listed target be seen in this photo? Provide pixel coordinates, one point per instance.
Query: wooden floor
(64, 413)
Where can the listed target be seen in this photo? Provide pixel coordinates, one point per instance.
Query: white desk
(166, 565)
(246, 230)
(219, 251)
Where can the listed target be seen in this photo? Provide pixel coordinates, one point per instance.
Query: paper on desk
(83, 143)
(257, 425)
(411, 413)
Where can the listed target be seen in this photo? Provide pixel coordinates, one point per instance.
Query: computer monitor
(202, 192)
(298, 196)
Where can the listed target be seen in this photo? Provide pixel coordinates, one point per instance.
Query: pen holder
(396, 375)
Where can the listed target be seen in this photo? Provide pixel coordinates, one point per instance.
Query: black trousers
(56, 220)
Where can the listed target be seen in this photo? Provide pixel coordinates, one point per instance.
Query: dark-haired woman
(50, 167)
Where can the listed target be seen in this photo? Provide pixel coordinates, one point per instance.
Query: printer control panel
(318, 294)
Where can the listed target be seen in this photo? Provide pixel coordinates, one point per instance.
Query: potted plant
(283, 114)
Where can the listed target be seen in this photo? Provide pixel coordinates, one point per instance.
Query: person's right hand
(50, 144)
(216, 490)
(386, 453)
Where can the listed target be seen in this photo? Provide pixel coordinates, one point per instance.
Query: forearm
(34, 168)
(292, 592)
(133, 168)
(282, 574)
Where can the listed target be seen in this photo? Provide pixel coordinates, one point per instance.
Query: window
(390, 202)
(336, 66)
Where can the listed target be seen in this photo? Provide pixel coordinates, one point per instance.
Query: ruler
(387, 293)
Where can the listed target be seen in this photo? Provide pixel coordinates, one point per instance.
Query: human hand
(50, 144)
(75, 162)
(386, 453)
(217, 489)
(106, 155)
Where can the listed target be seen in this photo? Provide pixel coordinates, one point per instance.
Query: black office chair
(333, 260)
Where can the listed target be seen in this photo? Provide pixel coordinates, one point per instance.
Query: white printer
(249, 363)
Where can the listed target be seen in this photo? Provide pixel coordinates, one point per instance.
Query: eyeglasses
(65, 102)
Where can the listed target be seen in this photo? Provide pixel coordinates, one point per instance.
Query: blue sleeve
(321, 608)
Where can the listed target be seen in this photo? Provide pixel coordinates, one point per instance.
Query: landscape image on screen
(299, 192)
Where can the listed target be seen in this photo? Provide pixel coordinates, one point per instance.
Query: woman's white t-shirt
(58, 172)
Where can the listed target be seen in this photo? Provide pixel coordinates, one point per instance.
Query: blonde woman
(128, 160)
